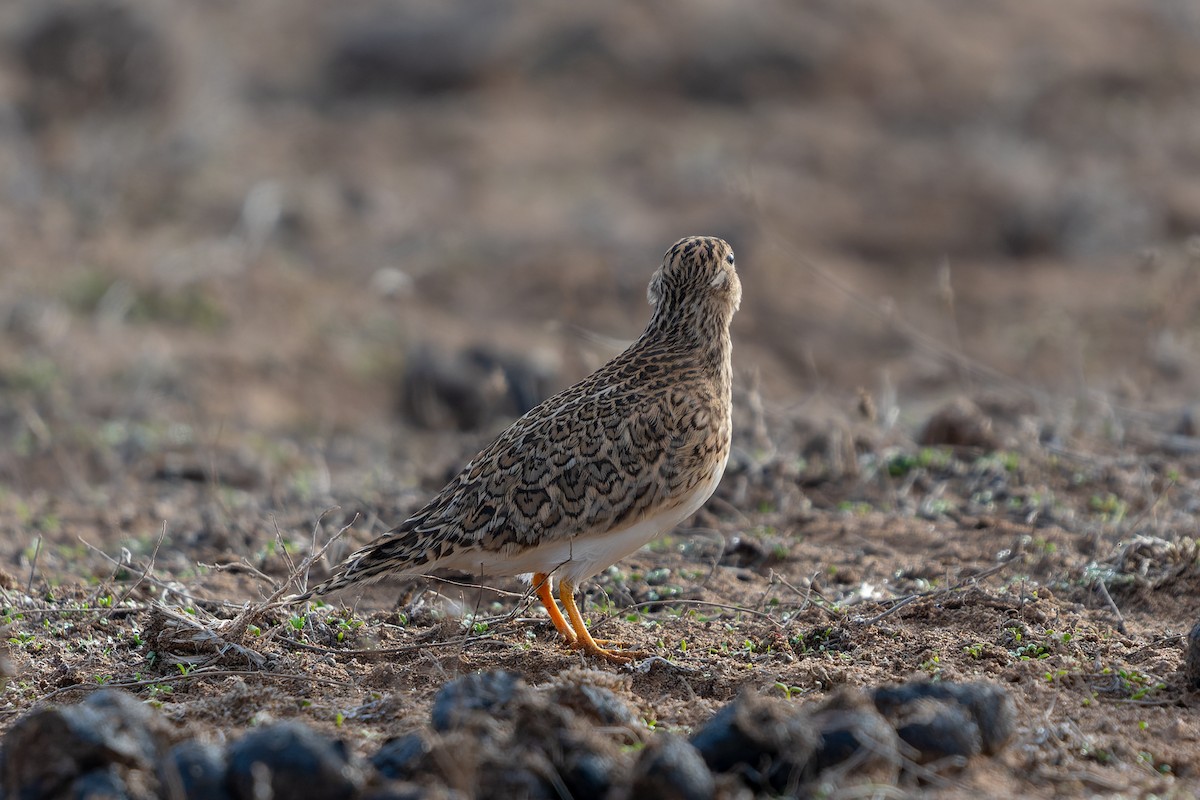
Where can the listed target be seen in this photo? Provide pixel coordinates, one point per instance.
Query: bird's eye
(729, 258)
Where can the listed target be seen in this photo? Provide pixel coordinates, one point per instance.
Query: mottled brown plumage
(597, 470)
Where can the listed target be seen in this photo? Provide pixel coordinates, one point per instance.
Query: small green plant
(817, 640)
(1031, 652)
(936, 507)
(350, 624)
(789, 691)
(934, 457)
(25, 639)
(974, 650)
(1044, 546)
(901, 464)
(1137, 685)
(1110, 507)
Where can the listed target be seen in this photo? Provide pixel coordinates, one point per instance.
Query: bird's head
(697, 273)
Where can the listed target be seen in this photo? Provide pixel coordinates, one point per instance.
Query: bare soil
(968, 357)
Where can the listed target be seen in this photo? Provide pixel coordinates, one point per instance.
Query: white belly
(587, 554)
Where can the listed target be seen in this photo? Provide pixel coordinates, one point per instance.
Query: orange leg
(541, 582)
(583, 639)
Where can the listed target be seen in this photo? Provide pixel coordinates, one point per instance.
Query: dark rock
(990, 706)
(501, 781)
(402, 757)
(89, 58)
(400, 791)
(994, 711)
(937, 729)
(407, 53)
(598, 703)
(765, 741)
(1191, 668)
(1189, 422)
(410, 791)
(468, 390)
(100, 784)
(959, 423)
(295, 760)
(196, 770)
(551, 739)
(587, 774)
(47, 749)
(742, 551)
(851, 731)
(462, 698)
(671, 768)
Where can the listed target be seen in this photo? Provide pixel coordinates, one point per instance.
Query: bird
(596, 471)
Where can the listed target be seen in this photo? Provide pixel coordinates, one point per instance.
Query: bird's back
(632, 439)
(644, 435)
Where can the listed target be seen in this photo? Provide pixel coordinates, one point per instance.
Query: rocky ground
(271, 273)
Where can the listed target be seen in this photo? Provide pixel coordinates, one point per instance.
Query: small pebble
(959, 423)
(407, 791)
(470, 389)
(657, 577)
(48, 748)
(765, 740)
(587, 774)
(990, 705)
(197, 769)
(1191, 668)
(100, 784)
(402, 757)
(460, 699)
(549, 736)
(514, 779)
(850, 728)
(671, 768)
(292, 760)
(937, 729)
(600, 704)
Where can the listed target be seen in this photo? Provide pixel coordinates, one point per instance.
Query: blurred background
(278, 233)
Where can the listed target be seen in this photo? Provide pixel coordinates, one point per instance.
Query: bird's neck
(700, 331)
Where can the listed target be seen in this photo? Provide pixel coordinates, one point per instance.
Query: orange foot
(583, 640)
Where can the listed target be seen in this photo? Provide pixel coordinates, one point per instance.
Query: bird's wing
(581, 461)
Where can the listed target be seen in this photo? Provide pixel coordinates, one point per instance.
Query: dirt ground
(234, 236)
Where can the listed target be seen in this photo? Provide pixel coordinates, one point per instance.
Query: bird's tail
(387, 556)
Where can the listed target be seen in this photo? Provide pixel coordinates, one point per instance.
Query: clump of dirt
(492, 735)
